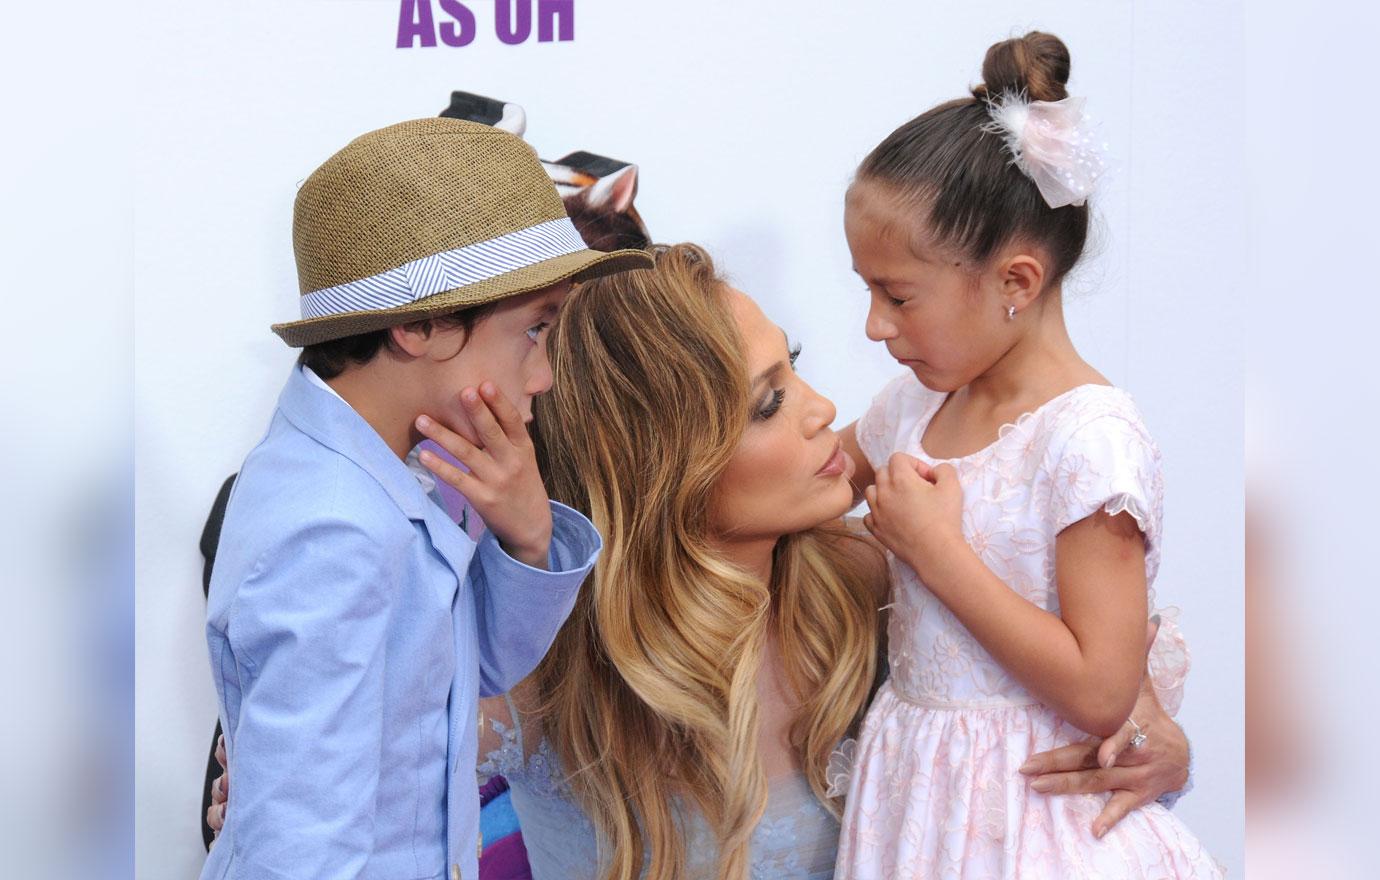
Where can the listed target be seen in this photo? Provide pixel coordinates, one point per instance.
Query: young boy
(352, 626)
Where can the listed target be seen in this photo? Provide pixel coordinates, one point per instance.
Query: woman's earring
(1010, 313)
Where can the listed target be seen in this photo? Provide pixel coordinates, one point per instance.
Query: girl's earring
(1010, 313)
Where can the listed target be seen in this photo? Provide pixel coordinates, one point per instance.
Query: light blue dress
(797, 837)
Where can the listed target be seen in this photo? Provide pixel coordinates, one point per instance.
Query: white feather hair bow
(1053, 142)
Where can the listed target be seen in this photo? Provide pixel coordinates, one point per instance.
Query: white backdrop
(747, 120)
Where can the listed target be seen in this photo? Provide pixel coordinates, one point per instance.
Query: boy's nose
(539, 377)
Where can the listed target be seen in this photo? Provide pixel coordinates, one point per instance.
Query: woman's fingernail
(1027, 767)
(423, 423)
(1042, 784)
(471, 396)
(1098, 831)
(489, 389)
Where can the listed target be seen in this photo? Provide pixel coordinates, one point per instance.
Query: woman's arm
(1159, 767)
(509, 731)
(1135, 776)
(1085, 663)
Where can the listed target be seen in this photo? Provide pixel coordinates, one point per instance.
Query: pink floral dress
(935, 791)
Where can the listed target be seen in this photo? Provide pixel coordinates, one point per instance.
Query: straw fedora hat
(428, 217)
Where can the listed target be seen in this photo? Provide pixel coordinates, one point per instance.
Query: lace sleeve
(838, 773)
(1111, 463)
(501, 749)
(894, 410)
(1169, 661)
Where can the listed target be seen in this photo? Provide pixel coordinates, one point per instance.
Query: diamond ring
(1138, 739)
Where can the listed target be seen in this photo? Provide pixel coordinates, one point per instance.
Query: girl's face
(789, 473)
(933, 313)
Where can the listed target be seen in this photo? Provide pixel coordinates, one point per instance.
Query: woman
(686, 721)
(729, 640)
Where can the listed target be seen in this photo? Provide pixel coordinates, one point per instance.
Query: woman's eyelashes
(535, 331)
(771, 406)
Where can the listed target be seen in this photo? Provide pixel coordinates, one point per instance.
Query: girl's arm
(871, 555)
(1085, 663)
(862, 474)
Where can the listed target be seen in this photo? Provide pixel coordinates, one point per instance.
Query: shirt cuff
(575, 545)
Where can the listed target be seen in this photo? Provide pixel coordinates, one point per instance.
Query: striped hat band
(448, 270)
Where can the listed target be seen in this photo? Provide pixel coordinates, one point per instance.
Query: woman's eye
(772, 406)
(534, 332)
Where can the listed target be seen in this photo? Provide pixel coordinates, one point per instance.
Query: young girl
(1019, 493)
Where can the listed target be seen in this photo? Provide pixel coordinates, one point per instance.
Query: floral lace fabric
(935, 791)
(797, 837)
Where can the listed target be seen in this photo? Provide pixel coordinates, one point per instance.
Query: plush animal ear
(514, 120)
(616, 191)
(487, 111)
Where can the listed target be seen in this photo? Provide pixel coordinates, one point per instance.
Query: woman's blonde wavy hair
(649, 693)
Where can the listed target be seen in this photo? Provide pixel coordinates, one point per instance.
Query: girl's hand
(503, 482)
(916, 511)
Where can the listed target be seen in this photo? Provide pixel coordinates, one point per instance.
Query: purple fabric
(496, 786)
(455, 505)
(505, 859)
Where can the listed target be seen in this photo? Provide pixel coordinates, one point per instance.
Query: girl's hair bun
(1036, 64)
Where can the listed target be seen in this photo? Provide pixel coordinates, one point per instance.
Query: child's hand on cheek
(916, 511)
(503, 484)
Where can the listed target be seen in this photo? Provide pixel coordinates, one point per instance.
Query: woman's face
(789, 473)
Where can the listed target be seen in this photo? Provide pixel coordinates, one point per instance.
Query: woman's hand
(916, 511)
(1134, 776)
(503, 483)
(220, 791)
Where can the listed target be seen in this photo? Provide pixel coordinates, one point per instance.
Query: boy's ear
(412, 339)
(1022, 280)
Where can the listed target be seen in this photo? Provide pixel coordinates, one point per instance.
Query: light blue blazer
(352, 628)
